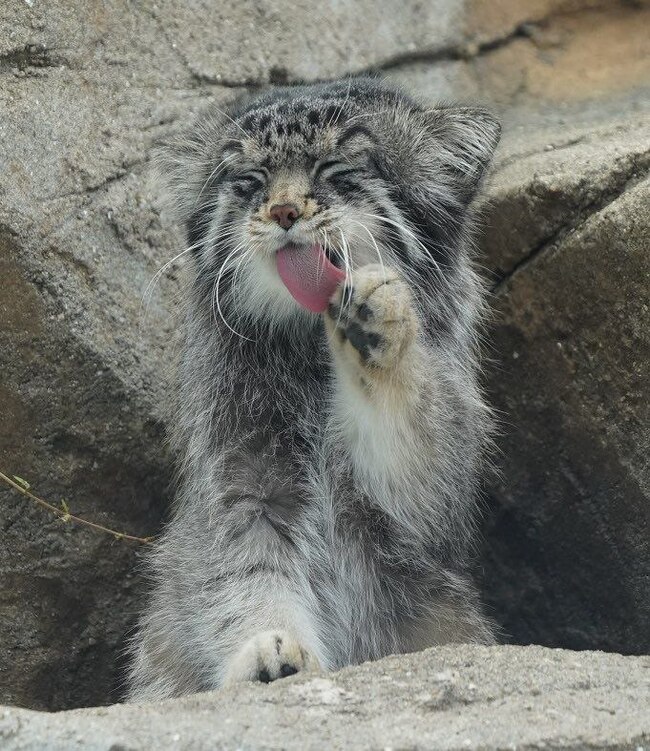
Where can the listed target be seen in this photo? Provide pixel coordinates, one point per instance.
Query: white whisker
(336, 115)
(216, 303)
(148, 292)
(216, 171)
(374, 242)
(347, 260)
(409, 233)
(230, 119)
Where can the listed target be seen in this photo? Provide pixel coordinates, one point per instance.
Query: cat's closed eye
(258, 176)
(249, 183)
(328, 167)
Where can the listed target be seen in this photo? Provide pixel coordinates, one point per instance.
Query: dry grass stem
(64, 514)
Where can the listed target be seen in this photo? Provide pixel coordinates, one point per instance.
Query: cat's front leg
(385, 401)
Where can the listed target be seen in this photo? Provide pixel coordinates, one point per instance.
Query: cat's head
(355, 169)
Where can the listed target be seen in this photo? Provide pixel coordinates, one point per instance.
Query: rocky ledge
(454, 697)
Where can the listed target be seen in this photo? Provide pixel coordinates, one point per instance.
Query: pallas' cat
(329, 426)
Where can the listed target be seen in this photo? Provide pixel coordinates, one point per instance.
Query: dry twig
(23, 487)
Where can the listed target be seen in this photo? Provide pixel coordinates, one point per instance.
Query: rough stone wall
(567, 555)
(87, 86)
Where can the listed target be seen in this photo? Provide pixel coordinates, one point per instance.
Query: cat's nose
(285, 214)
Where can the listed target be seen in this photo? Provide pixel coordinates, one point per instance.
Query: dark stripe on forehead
(293, 128)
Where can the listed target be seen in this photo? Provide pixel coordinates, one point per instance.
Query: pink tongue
(309, 275)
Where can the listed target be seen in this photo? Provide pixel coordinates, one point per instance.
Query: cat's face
(296, 174)
(353, 168)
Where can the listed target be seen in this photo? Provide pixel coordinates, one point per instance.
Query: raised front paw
(371, 319)
(268, 656)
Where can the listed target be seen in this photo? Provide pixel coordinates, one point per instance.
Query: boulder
(567, 559)
(82, 355)
(455, 697)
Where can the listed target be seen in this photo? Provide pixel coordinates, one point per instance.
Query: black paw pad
(287, 669)
(364, 313)
(361, 340)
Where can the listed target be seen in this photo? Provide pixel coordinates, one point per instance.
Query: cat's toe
(268, 656)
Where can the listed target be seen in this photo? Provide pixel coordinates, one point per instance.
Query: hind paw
(268, 656)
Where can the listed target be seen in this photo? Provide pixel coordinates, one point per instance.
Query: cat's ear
(461, 141)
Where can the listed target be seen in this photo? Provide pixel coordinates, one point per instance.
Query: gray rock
(568, 554)
(538, 56)
(86, 88)
(81, 358)
(456, 697)
(284, 41)
(550, 177)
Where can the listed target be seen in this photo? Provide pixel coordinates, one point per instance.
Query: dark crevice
(31, 56)
(282, 76)
(124, 171)
(463, 51)
(622, 182)
(198, 78)
(469, 49)
(251, 84)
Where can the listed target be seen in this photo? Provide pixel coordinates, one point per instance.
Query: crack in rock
(470, 49)
(466, 49)
(637, 171)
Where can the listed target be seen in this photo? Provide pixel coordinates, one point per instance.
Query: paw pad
(268, 656)
(372, 316)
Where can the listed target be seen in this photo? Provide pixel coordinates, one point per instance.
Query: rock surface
(455, 697)
(568, 525)
(87, 87)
